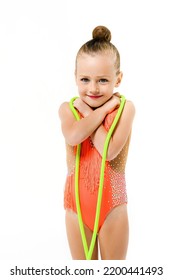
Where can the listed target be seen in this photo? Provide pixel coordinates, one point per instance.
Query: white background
(38, 44)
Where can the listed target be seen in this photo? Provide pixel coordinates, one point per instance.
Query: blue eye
(85, 80)
(103, 81)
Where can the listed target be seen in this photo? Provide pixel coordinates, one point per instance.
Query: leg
(74, 237)
(113, 235)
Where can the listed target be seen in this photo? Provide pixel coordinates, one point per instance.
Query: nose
(93, 88)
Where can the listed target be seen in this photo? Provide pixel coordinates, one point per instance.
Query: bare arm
(76, 132)
(120, 134)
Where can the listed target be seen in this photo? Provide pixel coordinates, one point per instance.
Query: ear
(118, 79)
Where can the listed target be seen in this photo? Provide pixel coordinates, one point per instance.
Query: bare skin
(74, 237)
(112, 237)
(114, 234)
(96, 79)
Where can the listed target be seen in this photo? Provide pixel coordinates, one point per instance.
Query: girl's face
(96, 78)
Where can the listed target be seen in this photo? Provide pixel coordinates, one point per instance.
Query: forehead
(98, 64)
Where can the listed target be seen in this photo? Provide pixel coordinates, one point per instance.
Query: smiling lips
(94, 96)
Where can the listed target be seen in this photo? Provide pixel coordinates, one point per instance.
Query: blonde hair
(101, 43)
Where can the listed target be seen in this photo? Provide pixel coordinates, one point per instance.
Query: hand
(112, 103)
(82, 107)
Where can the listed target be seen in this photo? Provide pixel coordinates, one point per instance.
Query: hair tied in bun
(102, 33)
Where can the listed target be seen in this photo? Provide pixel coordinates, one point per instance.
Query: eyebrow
(101, 76)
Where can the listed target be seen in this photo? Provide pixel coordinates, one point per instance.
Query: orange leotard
(114, 189)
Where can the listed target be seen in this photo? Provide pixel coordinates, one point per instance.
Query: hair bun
(101, 32)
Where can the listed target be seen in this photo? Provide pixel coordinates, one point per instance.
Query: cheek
(82, 89)
(107, 89)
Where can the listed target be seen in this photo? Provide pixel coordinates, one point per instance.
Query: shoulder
(129, 107)
(128, 113)
(65, 113)
(63, 108)
(130, 104)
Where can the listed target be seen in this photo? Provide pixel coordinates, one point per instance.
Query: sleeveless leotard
(114, 189)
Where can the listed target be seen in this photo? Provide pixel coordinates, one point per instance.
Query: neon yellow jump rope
(89, 251)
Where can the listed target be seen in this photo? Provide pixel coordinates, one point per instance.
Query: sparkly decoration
(114, 190)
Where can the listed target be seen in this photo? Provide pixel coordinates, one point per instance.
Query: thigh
(114, 233)
(74, 237)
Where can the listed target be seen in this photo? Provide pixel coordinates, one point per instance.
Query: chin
(95, 106)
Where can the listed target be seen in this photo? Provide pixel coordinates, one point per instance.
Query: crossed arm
(91, 125)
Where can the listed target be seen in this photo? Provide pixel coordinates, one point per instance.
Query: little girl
(97, 73)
